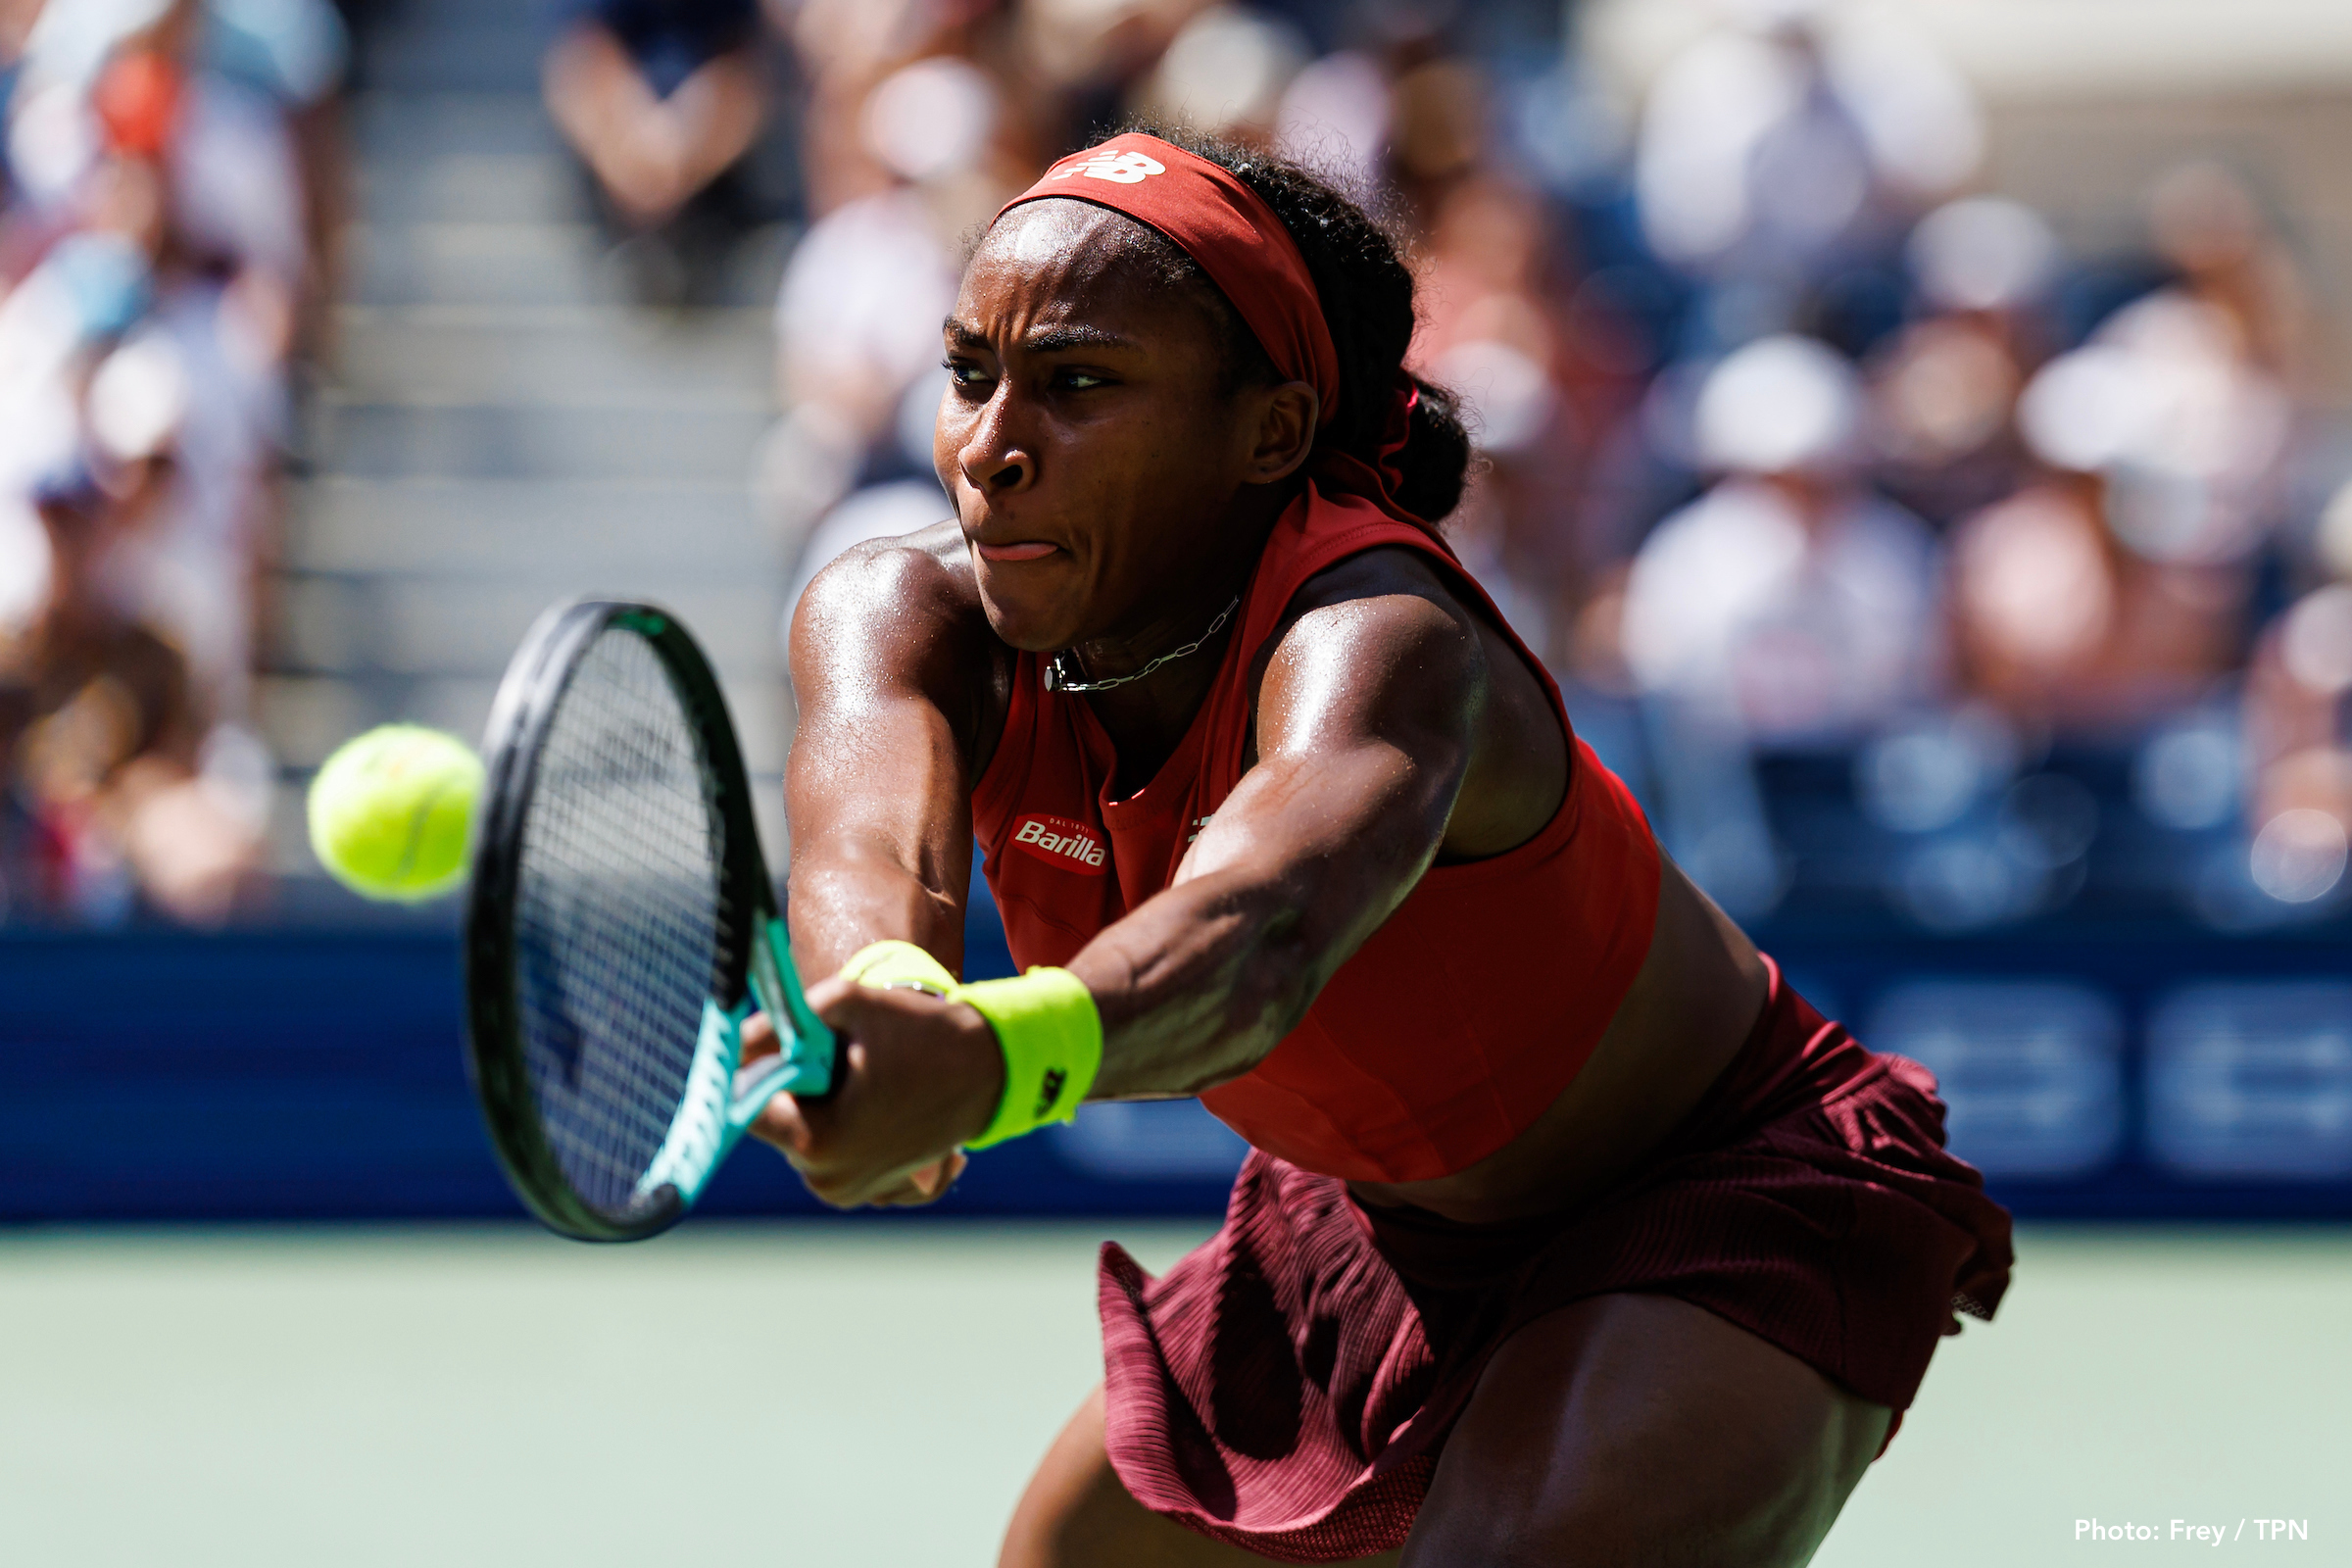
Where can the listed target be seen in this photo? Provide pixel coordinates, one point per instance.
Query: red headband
(1224, 226)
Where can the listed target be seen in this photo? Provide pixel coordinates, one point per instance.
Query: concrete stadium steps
(482, 187)
(580, 356)
(391, 130)
(490, 263)
(500, 430)
(443, 526)
(394, 441)
(435, 626)
(437, 45)
(460, 157)
(493, 263)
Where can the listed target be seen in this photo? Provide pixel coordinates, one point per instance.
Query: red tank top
(1458, 1021)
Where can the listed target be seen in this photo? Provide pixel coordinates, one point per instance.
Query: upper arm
(892, 670)
(1367, 720)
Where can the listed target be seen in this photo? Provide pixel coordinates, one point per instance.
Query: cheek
(1159, 453)
(1169, 478)
(950, 431)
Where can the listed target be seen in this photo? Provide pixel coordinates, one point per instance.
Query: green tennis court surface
(874, 1395)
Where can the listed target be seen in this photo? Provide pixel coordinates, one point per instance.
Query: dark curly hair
(1367, 296)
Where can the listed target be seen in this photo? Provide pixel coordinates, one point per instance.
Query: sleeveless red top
(1458, 1021)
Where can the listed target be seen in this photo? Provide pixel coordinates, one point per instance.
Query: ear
(1288, 418)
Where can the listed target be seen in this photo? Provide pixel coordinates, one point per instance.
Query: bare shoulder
(926, 574)
(901, 618)
(1388, 615)
(906, 605)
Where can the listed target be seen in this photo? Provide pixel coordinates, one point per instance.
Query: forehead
(1064, 259)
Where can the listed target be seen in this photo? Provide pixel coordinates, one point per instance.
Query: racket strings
(617, 918)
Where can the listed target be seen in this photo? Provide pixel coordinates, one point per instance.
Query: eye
(963, 373)
(1071, 380)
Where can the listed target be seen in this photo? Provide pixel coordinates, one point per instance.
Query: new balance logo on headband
(1061, 842)
(1120, 169)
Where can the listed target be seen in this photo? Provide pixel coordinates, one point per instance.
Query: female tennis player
(1568, 1232)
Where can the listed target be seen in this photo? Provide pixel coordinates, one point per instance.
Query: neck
(1184, 612)
(1148, 716)
(1147, 711)
(1147, 719)
(1174, 633)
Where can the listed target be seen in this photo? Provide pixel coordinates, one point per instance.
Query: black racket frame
(521, 718)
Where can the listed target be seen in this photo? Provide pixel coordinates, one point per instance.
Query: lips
(1023, 549)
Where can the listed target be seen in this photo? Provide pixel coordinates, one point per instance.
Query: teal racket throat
(723, 1096)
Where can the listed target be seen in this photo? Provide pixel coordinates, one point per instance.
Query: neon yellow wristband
(1052, 1037)
(889, 965)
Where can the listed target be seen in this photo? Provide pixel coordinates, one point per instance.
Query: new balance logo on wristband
(1061, 842)
(1049, 1091)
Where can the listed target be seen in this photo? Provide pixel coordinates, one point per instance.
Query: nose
(994, 459)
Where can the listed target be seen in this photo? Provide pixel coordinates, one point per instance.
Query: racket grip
(807, 1044)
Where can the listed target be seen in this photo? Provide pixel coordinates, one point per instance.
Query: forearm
(595, 95)
(1199, 983)
(1319, 844)
(847, 894)
(716, 111)
(869, 866)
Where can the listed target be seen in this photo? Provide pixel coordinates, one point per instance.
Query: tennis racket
(622, 929)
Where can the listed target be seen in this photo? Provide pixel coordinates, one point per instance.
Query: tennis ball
(392, 810)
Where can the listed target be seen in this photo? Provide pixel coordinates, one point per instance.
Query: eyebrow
(1049, 340)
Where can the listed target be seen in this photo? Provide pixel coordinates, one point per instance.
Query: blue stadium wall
(2152, 1073)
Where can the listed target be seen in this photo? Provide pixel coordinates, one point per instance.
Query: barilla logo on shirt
(1072, 846)
(1120, 169)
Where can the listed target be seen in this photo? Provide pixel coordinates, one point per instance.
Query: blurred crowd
(1898, 556)
(1895, 553)
(165, 244)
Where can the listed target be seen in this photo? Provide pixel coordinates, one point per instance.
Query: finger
(929, 1181)
(903, 1187)
(833, 1194)
(904, 1195)
(825, 998)
(946, 1172)
(759, 1038)
(862, 1189)
(928, 1185)
(784, 1123)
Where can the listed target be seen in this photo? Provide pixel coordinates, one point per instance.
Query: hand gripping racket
(622, 929)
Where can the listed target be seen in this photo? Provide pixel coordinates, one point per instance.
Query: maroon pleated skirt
(1289, 1385)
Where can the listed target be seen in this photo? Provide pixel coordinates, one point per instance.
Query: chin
(1024, 618)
